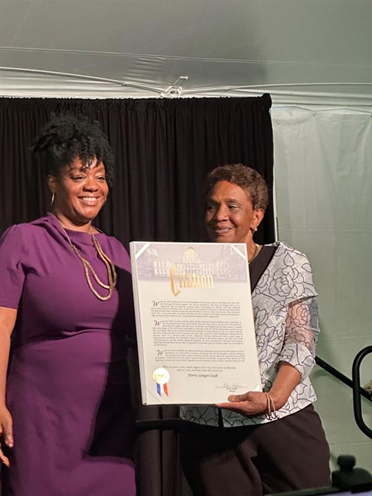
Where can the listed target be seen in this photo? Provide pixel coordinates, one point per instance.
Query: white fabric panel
(323, 170)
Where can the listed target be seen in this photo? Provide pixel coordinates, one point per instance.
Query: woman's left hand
(249, 404)
(254, 403)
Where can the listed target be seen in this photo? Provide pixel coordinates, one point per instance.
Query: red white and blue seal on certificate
(161, 377)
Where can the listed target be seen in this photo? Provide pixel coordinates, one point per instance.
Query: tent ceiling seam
(199, 90)
(330, 109)
(84, 76)
(180, 57)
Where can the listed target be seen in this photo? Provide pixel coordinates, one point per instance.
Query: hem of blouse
(247, 422)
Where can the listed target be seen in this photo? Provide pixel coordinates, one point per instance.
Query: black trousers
(284, 455)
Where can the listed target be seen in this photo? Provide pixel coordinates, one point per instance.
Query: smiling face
(80, 193)
(229, 216)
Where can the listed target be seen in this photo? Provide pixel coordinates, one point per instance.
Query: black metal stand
(356, 388)
(341, 377)
(160, 424)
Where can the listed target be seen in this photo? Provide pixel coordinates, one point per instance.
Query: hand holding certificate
(194, 322)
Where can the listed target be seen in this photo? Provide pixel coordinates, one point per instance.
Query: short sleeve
(13, 251)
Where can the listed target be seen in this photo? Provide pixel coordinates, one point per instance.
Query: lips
(89, 200)
(220, 231)
(222, 228)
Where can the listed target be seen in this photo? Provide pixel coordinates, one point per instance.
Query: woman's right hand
(6, 433)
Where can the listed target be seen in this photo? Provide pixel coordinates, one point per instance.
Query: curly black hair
(67, 137)
(245, 177)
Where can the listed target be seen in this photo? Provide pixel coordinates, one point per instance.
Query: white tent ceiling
(301, 51)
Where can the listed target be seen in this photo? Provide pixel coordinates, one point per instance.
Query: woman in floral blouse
(272, 441)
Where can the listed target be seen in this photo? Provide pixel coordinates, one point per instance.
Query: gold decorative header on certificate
(182, 280)
(192, 265)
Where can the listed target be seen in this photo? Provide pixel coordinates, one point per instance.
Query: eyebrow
(227, 200)
(97, 168)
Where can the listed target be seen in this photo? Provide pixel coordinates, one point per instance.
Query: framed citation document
(194, 320)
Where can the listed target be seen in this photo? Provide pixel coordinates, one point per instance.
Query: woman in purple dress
(66, 416)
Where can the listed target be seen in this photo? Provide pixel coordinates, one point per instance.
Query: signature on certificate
(232, 387)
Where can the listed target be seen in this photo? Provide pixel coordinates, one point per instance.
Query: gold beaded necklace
(111, 271)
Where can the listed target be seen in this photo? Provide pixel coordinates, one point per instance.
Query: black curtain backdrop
(164, 149)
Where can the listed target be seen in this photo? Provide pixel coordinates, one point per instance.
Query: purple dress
(68, 384)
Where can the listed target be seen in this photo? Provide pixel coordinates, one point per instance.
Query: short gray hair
(247, 178)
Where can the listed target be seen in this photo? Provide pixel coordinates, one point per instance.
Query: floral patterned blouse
(286, 320)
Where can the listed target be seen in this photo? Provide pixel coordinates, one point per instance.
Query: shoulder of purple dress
(115, 243)
(32, 226)
(16, 233)
(23, 233)
(16, 240)
(46, 221)
(121, 255)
